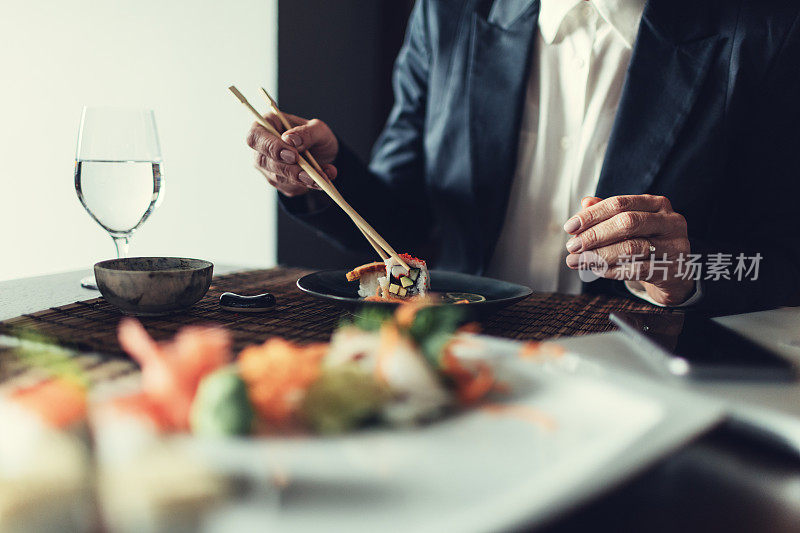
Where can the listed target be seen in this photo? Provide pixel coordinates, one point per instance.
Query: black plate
(331, 285)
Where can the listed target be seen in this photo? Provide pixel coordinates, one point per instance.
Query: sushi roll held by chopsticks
(400, 283)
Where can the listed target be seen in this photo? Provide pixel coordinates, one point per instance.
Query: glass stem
(121, 243)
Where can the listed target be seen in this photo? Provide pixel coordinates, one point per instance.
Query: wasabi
(221, 406)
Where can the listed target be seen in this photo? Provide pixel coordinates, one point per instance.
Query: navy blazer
(709, 117)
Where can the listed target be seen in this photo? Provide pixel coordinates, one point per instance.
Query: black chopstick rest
(237, 303)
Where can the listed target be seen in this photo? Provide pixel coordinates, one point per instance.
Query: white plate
(478, 471)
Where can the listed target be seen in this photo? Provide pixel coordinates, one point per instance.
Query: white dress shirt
(581, 56)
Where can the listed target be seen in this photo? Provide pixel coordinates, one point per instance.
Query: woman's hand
(277, 158)
(624, 228)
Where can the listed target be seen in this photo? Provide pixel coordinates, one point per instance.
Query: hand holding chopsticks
(274, 105)
(378, 242)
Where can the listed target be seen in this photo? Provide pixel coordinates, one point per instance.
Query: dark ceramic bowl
(152, 286)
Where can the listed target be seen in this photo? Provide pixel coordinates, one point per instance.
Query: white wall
(175, 56)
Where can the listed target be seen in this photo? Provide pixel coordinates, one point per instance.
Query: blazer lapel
(505, 13)
(663, 81)
(499, 64)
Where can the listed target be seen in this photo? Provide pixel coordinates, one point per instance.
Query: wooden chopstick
(274, 105)
(325, 185)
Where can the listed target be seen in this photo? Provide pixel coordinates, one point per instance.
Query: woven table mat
(90, 326)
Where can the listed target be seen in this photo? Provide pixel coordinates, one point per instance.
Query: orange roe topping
(409, 257)
(277, 374)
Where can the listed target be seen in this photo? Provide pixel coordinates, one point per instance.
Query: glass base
(89, 283)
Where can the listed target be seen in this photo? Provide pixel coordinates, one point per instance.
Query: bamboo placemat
(90, 326)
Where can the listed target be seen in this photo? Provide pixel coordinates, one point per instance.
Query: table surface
(725, 480)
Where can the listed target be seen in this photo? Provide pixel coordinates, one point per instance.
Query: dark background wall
(334, 63)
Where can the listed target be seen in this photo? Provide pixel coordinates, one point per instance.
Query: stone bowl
(153, 286)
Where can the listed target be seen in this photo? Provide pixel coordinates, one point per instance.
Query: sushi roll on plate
(368, 277)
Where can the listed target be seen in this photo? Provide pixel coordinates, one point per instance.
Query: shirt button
(566, 143)
(579, 62)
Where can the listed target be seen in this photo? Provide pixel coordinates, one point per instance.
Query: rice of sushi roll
(401, 284)
(369, 277)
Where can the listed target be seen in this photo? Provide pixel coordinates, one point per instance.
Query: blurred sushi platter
(403, 420)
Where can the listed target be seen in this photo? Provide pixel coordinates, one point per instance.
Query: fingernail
(573, 245)
(573, 260)
(572, 225)
(305, 178)
(288, 156)
(293, 139)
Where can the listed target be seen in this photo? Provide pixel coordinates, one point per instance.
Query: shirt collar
(552, 14)
(623, 15)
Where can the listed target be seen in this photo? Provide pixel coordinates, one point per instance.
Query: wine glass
(118, 171)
